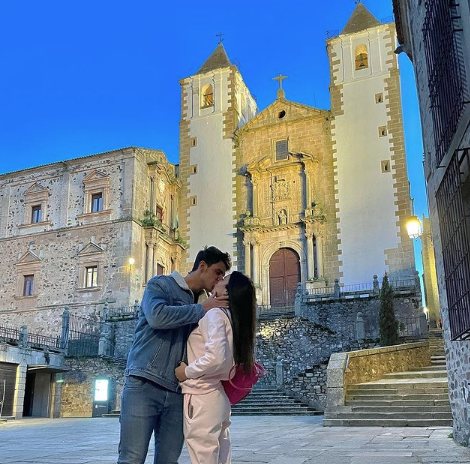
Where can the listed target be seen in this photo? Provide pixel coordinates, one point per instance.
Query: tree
(387, 322)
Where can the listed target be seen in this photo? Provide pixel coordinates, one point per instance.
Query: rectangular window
(382, 131)
(379, 98)
(91, 277)
(97, 202)
(36, 214)
(160, 269)
(282, 150)
(385, 165)
(28, 285)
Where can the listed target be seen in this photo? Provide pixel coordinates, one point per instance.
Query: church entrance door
(284, 275)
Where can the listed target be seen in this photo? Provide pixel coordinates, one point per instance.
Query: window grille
(442, 36)
(455, 248)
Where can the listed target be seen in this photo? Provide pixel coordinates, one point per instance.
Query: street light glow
(414, 227)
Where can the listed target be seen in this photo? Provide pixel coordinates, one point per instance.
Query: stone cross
(280, 91)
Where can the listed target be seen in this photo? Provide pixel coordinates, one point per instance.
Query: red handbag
(241, 384)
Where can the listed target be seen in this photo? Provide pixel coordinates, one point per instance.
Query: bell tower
(215, 102)
(370, 176)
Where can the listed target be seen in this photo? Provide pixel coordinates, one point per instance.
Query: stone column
(254, 270)
(320, 255)
(247, 258)
(310, 257)
(149, 262)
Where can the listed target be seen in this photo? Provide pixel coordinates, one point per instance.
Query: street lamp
(414, 227)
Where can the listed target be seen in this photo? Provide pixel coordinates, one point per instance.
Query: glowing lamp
(413, 227)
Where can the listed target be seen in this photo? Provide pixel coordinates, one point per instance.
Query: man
(152, 399)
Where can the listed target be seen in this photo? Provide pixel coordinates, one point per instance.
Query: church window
(282, 150)
(362, 57)
(36, 214)
(194, 169)
(281, 114)
(382, 131)
(385, 165)
(193, 201)
(193, 141)
(160, 269)
(207, 99)
(379, 98)
(28, 285)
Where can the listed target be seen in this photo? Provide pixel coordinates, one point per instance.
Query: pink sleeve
(216, 347)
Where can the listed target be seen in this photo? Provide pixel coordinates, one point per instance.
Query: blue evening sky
(79, 77)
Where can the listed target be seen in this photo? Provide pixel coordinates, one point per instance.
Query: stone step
(273, 412)
(435, 367)
(416, 408)
(390, 415)
(401, 396)
(267, 404)
(416, 374)
(388, 422)
(401, 402)
(397, 391)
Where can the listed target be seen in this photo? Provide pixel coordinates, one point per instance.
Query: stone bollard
(360, 327)
(64, 338)
(375, 284)
(337, 289)
(23, 341)
(105, 344)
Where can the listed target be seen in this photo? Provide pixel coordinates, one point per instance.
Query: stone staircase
(415, 398)
(271, 402)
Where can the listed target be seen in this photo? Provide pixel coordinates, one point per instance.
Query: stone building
(284, 190)
(436, 37)
(83, 233)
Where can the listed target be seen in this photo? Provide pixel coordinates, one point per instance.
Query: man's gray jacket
(166, 318)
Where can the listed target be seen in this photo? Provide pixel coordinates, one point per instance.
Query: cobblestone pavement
(273, 440)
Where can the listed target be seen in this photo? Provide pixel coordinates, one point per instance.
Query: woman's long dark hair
(242, 304)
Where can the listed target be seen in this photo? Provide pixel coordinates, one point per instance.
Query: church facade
(299, 194)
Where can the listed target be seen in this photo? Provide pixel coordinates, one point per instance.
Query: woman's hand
(180, 372)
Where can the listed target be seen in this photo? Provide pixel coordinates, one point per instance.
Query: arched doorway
(284, 275)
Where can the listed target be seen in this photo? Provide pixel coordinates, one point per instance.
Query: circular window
(281, 114)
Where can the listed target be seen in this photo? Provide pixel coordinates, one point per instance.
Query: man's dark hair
(212, 255)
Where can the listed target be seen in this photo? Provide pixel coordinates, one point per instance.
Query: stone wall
(340, 315)
(295, 353)
(78, 385)
(458, 372)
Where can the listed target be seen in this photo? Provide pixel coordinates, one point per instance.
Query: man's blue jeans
(146, 408)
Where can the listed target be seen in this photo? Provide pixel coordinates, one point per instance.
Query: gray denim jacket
(167, 316)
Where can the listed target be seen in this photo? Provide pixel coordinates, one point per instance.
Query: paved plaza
(273, 440)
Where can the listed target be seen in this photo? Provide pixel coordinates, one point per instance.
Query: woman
(223, 338)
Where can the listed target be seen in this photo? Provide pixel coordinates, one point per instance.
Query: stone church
(301, 197)
(296, 193)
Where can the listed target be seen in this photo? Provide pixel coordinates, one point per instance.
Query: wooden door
(284, 275)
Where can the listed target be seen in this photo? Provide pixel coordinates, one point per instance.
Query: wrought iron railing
(455, 249)
(342, 290)
(82, 336)
(9, 335)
